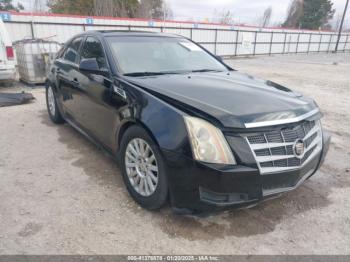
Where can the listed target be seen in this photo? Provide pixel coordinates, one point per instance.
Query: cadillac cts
(184, 127)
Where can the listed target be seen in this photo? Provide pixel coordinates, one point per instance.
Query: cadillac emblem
(299, 148)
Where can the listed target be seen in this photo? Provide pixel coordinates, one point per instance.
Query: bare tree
(39, 6)
(154, 9)
(145, 9)
(265, 19)
(224, 17)
(116, 8)
(295, 12)
(168, 12)
(102, 7)
(337, 22)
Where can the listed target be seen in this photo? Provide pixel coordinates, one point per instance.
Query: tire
(52, 108)
(156, 197)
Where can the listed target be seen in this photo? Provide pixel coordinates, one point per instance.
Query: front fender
(164, 122)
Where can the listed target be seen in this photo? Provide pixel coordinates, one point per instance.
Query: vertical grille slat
(280, 144)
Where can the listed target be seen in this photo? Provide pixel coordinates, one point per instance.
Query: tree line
(156, 9)
(310, 14)
(303, 14)
(151, 9)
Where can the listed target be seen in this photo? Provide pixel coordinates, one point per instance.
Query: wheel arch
(126, 125)
(48, 82)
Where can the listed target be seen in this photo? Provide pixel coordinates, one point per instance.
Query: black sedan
(184, 127)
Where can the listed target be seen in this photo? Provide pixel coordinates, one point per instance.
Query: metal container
(34, 57)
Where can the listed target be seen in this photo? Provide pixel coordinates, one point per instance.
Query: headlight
(208, 143)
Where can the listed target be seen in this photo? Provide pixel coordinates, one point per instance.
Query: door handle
(75, 82)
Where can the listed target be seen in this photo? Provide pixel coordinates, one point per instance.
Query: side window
(92, 48)
(71, 52)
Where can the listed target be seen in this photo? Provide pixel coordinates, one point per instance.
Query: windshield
(151, 55)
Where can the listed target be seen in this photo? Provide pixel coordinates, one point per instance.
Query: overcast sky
(244, 11)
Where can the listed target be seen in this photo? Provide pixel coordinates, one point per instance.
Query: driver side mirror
(90, 65)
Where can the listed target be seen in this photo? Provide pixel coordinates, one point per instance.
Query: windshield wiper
(152, 73)
(205, 70)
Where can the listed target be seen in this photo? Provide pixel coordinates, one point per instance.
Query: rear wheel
(143, 169)
(52, 108)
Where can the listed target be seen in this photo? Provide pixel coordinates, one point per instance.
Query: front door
(98, 115)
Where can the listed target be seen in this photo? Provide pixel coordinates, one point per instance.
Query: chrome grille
(257, 139)
(273, 151)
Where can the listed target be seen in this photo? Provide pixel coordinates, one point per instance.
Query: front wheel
(52, 108)
(143, 169)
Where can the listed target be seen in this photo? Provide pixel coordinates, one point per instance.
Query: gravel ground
(61, 195)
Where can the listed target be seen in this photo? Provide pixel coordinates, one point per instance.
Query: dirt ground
(61, 195)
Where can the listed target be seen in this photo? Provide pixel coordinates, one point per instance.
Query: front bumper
(198, 187)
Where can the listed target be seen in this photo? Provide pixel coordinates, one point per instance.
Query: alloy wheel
(141, 167)
(51, 101)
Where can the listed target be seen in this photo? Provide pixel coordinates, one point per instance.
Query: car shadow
(261, 219)
(96, 163)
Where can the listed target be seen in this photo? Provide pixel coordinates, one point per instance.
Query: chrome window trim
(282, 121)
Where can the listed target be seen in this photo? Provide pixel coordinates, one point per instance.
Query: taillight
(9, 53)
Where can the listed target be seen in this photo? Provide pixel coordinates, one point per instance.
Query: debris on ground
(11, 99)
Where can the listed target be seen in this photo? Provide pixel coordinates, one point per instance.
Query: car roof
(129, 33)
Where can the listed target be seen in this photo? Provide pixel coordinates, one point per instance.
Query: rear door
(66, 71)
(95, 91)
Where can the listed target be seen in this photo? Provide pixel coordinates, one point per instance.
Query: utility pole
(341, 25)
(164, 10)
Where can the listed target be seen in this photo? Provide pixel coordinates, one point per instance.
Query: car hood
(234, 99)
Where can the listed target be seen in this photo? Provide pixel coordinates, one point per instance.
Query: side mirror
(90, 65)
